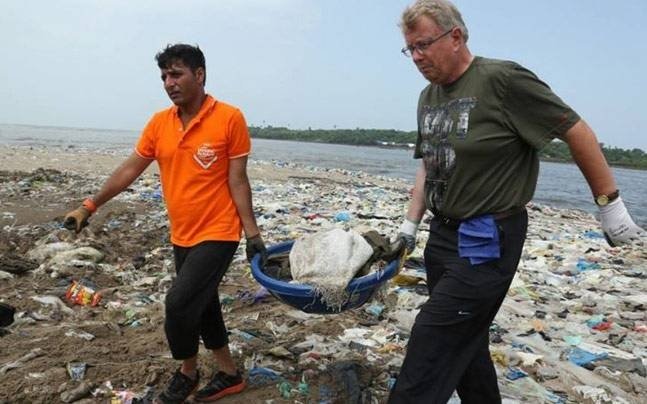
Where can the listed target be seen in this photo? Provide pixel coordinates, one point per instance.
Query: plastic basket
(303, 297)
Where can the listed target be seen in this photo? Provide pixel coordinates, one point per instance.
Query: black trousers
(449, 345)
(192, 302)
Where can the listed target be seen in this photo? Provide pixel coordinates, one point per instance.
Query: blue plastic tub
(303, 297)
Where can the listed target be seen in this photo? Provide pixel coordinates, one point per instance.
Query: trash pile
(87, 324)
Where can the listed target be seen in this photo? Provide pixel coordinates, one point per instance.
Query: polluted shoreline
(572, 328)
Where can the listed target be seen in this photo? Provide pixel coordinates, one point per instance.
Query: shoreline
(98, 146)
(101, 161)
(104, 160)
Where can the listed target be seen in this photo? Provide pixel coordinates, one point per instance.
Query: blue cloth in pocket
(478, 240)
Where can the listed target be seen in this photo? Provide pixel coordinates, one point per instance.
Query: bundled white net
(328, 261)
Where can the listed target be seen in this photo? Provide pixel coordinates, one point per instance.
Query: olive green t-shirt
(479, 138)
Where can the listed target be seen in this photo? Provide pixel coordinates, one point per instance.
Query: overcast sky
(308, 63)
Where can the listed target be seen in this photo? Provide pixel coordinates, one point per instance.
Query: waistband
(451, 222)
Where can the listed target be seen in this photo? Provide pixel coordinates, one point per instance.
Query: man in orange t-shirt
(201, 146)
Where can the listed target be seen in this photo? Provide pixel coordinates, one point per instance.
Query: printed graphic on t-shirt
(438, 123)
(205, 155)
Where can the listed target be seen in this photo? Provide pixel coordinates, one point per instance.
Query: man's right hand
(407, 234)
(408, 240)
(77, 219)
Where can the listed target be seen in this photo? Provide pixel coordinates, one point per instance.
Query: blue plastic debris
(260, 376)
(155, 195)
(555, 398)
(342, 217)
(247, 336)
(581, 357)
(595, 320)
(573, 340)
(375, 309)
(584, 265)
(593, 234)
(522, 347)
(515, 373)
(390, 384)
(261, 293)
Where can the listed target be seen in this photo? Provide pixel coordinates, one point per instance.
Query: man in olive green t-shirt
(481, 123)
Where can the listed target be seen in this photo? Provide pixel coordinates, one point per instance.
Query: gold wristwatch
(603, 200)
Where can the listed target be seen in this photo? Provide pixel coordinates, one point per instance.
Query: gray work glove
(617, 224)
(255, 245)
(77, 219)
(407, 234)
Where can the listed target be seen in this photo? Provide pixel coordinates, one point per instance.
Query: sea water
(560, 184)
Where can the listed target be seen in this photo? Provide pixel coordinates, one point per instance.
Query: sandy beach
(573, 294)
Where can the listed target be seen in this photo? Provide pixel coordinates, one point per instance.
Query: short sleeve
(239, 141)
(533, 111)
(146, 144)
(417, 151)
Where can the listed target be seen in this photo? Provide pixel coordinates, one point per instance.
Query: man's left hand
(617, 224)
(255, 245)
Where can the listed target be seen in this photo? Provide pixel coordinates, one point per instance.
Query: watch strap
(602, 200)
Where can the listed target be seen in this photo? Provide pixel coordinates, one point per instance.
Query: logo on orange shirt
(206, 155)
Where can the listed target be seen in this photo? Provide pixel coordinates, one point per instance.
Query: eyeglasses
(422, 45)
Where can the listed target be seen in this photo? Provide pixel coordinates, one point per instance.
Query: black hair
(189, 55)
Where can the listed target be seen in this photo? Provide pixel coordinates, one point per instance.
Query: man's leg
(190, 367)
(225, 362)
(193, 292)
(445, 339)
(227, 380)
(479, 381)
(452, 327)
(199, 271)
(214, 336)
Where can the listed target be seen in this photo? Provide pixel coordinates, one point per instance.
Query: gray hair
(443, 12)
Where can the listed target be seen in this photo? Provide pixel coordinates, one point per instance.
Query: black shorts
(192, 302)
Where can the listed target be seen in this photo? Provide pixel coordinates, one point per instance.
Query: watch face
(602, 200)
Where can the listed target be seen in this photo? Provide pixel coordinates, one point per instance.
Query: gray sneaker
(220, 385)
(178, 389)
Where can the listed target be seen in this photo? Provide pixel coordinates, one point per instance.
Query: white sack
(328, 261)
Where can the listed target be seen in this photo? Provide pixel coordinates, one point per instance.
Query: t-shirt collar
(207, 105)
(450, 86)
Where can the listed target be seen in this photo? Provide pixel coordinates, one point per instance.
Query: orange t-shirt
(194, 169)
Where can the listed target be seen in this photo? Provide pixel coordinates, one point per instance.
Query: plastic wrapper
(78, 293)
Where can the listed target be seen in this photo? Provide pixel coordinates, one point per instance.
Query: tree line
(634, 158)
(555, 151)
(357, 137)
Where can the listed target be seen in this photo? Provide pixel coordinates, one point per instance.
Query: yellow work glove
(77, 219)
